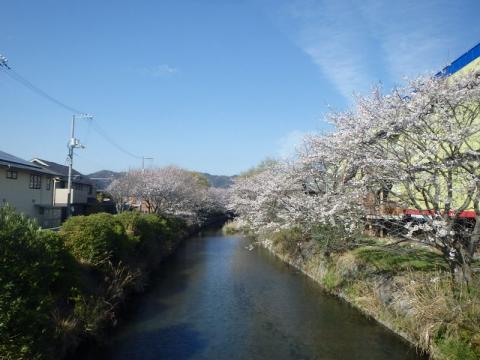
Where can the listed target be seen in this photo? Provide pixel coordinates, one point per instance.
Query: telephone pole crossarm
(143, 162)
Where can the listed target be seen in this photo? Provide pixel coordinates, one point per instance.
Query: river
(215, 299)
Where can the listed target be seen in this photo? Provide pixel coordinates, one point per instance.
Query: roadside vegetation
(59, 289)
(384, 211)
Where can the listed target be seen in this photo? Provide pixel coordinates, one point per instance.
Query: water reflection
(216, 300)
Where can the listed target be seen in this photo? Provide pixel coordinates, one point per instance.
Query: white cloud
(288, 144)
(356, 43)
(415, 35)
(159, 71)
(336, 41)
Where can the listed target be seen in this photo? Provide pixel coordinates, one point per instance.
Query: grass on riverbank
(58, 289)
(406, 287)
(230, 228)
(399, 259)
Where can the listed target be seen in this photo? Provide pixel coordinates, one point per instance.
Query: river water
(215, 299)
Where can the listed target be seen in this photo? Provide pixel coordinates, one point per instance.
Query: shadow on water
(214, 299)
(174, 342)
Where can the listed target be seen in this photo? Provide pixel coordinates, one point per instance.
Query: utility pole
(143, 162)
(73, 144)
(143, 172)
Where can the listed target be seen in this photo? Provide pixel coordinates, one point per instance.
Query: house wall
(474, 65)
(78, 197)
(461, 188)
(81, 193)
(17, 193)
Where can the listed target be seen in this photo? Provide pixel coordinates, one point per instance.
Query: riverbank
(149, 236)
(214, 298)
(407, 289)
(67, 288)
(154, 244)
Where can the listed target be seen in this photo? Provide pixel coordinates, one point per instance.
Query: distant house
(83, 189)
(29, 188)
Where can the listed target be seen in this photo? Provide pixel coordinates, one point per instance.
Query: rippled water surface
(214, 299)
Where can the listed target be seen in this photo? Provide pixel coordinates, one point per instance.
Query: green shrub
(398, 259)
(95, 239)
(48, 302)
(334, 238)
(332, 279)
(150, 235)
(35, 272)
(287, 240)
(176, 227)
(456, 349)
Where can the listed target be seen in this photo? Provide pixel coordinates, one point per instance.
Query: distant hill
(219, 181)
(106, 174)
(103, 178)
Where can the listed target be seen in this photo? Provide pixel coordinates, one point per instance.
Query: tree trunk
(462, 274)
(460, 267)
(475, 238)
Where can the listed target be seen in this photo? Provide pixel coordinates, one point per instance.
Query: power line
(103, 133)
(17, 77)
(23, 81)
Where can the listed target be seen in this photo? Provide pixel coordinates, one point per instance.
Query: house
(29, 188)
(83, 189)
(433, 188)
(466, 62)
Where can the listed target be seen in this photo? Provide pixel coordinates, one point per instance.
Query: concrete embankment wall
(381, 297)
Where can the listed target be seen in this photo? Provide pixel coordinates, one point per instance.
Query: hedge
(35, 272)
(95, 239)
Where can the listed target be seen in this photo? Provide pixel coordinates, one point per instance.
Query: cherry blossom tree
(416, 150)
(316, 189)
(169, 191)
(421, 147)
(263, 198)
(123, 189)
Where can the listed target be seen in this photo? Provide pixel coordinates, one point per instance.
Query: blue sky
(213, 86)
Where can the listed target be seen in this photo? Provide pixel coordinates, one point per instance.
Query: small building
(83, 189)
(29, 188)
(465, 62)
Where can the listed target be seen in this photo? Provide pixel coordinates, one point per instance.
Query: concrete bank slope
(417, 305)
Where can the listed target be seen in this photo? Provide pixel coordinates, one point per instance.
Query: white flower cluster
(168, 190)
(417, 148)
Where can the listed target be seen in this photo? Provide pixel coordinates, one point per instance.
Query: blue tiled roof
(16, 162)
(462, 61)
(5, 157)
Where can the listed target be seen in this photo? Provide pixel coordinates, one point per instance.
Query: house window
(89, 189)
(35, 182)
(12, 174)
(49, 183)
